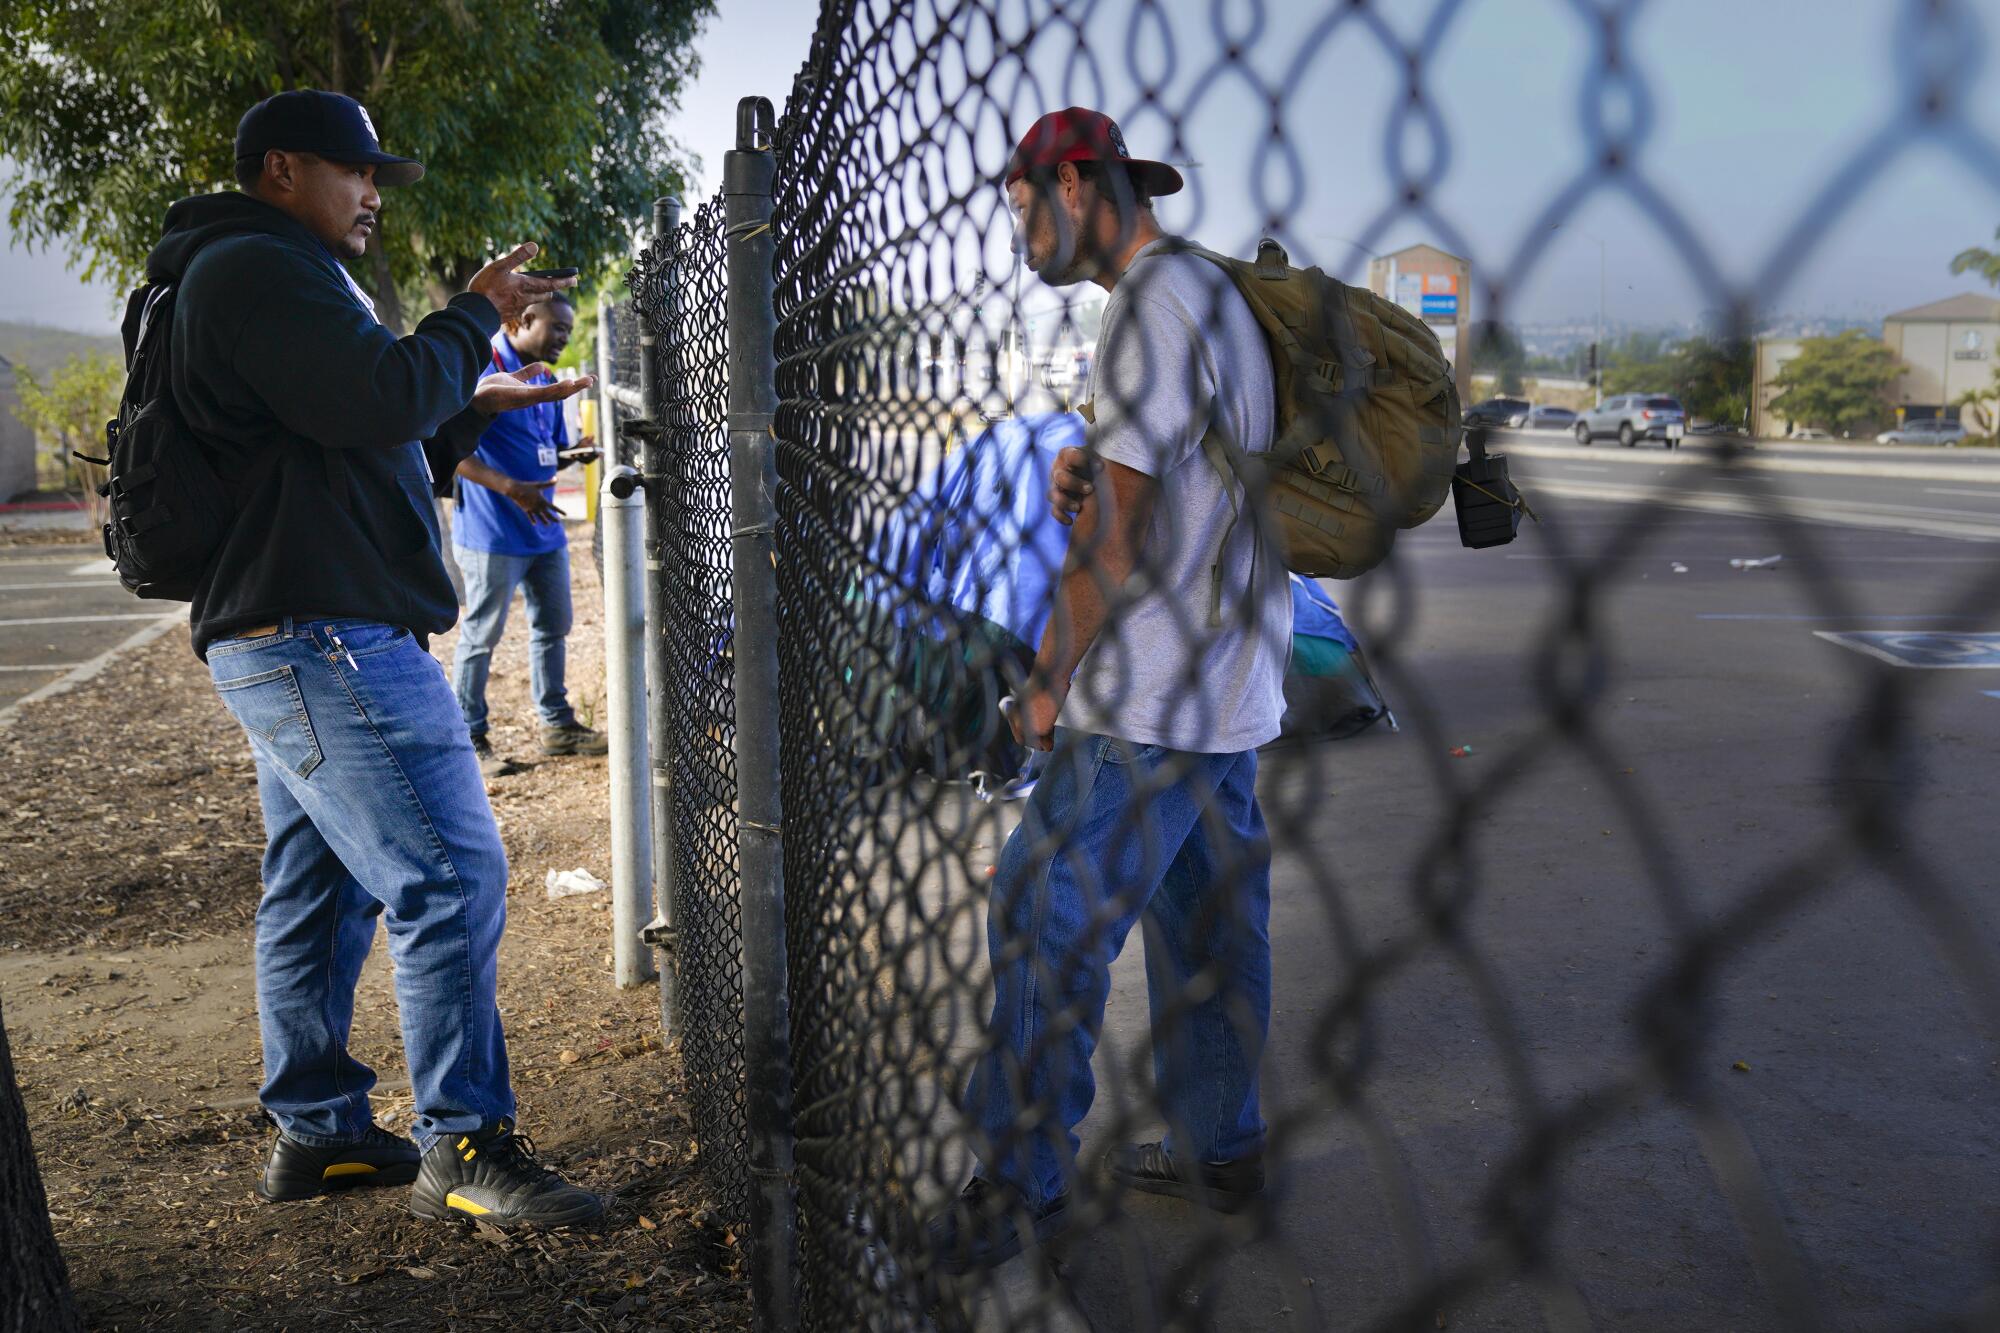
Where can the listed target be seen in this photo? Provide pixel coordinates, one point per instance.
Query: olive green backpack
(1367, 428)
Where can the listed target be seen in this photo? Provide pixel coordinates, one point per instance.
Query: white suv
(1929, 430)
(1633, 417)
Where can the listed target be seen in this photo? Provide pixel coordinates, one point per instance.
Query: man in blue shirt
(507, 533)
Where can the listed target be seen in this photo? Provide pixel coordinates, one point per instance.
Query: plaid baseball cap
(331, 125)
(1078, 134)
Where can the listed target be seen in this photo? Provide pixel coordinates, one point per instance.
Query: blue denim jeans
(1116, 834)
(373, 806)
(490, 581)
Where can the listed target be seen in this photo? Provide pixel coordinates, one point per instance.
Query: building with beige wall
(1947, 349)
(1772, 354)
(17, 443)
(1436, 287)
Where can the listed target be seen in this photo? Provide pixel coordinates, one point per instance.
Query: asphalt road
(60, 607)
(1848, 1086)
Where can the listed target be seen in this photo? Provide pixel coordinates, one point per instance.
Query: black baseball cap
(331, 125)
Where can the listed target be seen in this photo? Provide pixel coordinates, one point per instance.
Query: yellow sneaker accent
(464, 1142)
(471, 1153)
(347, 1169)
(464, 1205)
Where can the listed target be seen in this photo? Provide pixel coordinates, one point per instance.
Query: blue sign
(1928, 649)
(1446, 305)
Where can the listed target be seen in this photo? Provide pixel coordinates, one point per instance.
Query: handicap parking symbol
(1921, 648)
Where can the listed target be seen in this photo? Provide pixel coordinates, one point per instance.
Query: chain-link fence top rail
(1597, 1155)
(678, 289)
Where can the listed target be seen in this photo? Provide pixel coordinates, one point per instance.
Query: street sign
(1922, 648)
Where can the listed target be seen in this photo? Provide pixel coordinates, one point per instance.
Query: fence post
(622, 512)
(747, 174)
(661, 933)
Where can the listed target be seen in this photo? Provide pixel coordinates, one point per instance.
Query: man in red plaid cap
(1159, 675)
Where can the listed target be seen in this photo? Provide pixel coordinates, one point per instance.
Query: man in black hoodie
(314, 619)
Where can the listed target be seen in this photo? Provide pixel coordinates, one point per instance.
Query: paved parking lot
(60, 608)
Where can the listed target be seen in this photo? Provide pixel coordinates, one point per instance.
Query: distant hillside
(41, 349)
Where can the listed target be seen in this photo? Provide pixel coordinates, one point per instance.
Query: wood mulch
(129, 850)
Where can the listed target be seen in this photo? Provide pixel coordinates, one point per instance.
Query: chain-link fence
(678, 291)
(1668, 1003)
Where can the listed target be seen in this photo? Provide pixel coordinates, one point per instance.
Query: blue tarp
(977, 535)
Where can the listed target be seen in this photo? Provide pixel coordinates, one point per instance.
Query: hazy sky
(1756, 106)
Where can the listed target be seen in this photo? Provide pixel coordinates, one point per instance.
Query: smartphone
(567, 456)
(550, 272)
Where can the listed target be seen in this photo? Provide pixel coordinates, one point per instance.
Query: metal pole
(625, 688)
(747, 174)
(660, 933)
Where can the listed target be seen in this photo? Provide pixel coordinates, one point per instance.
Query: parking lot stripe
(79, 620)
(78, 675)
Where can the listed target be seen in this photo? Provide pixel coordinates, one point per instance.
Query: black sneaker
(492, 1176)
(1227, 1187)
(982, 1227)
(302, 1170)
(574, 739)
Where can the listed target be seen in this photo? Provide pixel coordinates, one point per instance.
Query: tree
(1640, 363)
(1837, 383)
(1497, 351)
(1982, 407)
(1977, 259)
(34, 1282)
(537, 119)
(69, 412)
(1712, 377)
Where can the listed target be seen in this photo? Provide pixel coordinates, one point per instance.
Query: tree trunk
(382, 286)
(34, 1282)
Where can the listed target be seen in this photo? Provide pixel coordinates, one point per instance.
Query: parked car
(1929, 430)
(1551, 418)
(1632, 417)
(1807, 433)
(1498, 412)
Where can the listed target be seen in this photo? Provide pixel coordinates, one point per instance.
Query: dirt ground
(129, 852)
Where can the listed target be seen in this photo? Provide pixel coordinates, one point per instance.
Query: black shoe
(492, 1176)
(1227, 1187)
(574, 739)
(982, 1227)
(302, 1170)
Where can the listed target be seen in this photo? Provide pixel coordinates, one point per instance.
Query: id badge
(545, 455)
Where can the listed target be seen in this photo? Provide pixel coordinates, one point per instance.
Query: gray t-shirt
(1178, 353)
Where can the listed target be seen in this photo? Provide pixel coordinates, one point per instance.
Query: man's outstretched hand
(512, 292)
(1070, 487)
(510, 389)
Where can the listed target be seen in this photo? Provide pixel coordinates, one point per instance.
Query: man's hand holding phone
(512, 292)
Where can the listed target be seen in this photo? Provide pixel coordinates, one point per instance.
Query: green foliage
(537, 119)
(69, 410)
(1977, 259)
(1982, 415)
(1497, 351)
(1711, 376)
(1838, 384)
(1639, 363)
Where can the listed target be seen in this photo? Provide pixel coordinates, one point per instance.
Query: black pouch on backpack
(169, 511)
(1488, 504)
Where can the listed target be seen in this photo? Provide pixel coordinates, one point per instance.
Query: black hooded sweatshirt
(334, 433)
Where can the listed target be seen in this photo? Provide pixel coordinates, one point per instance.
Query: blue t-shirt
(521, 444)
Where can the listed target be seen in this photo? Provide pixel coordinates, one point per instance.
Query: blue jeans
(373, 806)
(1116, 834)
(490, 580)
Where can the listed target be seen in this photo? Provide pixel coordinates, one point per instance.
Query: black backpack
(169, 511)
